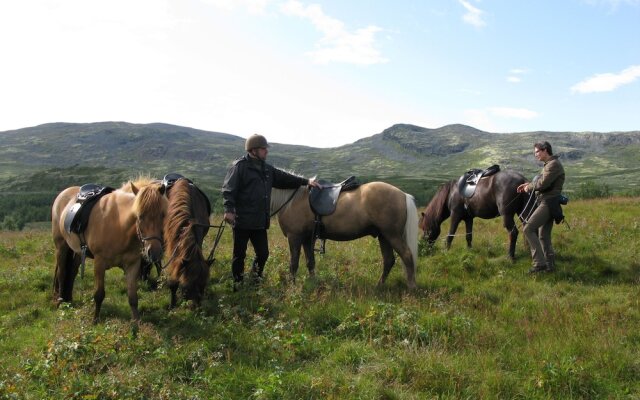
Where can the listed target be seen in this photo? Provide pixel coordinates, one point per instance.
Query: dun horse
(495, 196)
(186, 225)
(122, 225)
(375, 208)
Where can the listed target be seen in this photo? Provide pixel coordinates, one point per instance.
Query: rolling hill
(46, 158)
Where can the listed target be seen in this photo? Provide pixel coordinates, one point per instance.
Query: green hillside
(38, 162)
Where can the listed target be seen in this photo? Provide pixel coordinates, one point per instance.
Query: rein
(286, 202)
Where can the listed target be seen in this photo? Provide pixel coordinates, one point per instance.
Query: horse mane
(280, 196)
(150, 201)
(187, 263)
(437, 209)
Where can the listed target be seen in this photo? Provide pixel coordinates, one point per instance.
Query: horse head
(430, 229)
(150, 207)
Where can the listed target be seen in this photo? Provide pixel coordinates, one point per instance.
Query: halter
(143, 239)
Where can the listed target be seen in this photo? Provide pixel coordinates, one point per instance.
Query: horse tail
(411, 229)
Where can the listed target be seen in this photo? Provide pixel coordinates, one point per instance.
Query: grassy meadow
(478, 326)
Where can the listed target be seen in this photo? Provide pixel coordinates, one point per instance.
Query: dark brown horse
(495, 196)
(375, 208)
(122, 225)
(186, 225)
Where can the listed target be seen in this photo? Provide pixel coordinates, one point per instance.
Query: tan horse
(122, 225)
(377, 209)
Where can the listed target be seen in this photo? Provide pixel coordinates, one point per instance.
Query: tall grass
(478, 326)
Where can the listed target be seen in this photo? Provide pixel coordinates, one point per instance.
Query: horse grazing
(494, 196)
(377, 209)
(185, 227)
(122, 225)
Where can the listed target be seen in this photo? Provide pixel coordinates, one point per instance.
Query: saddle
(469, 180)
(324, 201)
(170, 179)
(77, 217)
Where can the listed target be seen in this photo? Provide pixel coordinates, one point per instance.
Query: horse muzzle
(152, 248)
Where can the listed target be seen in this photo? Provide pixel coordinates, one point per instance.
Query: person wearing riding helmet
(548, 188)
(247, 196)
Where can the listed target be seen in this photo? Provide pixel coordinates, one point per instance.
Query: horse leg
(310, 255)
(99, 269)
(468, 223)
(295, 243)
(455, 221)
(511, 227)
(67, 263)
(388, 258)
(173, 287)
(403, 250)
(131, 274)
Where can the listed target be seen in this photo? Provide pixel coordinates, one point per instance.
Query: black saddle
(170, 179)
(323, 201)
(77, 217)
(468, 182)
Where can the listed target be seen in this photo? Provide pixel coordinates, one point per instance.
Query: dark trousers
(241, 238)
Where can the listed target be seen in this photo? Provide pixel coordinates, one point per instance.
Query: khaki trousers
(537, 230)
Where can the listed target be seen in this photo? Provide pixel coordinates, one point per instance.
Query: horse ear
(134, 189)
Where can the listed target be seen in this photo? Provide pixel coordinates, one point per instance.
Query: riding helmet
(255, 141)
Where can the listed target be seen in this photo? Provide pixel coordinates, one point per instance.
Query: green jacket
(549, 184)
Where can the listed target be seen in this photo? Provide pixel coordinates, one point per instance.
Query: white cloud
(473, 15)
(337, 44)
(607, 82)
(252, 6)
(508, 112)
(513, 75)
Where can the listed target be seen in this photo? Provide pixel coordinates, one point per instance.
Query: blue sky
(322, 73)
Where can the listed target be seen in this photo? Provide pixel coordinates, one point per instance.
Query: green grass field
(478, 326)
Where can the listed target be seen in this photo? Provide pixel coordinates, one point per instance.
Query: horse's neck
(279, 198)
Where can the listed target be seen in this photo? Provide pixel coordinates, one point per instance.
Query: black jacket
(247, 190)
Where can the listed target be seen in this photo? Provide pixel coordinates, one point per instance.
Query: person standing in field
(247, 196)
(548, 189)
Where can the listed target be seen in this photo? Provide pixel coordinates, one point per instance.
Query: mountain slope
(410, 156)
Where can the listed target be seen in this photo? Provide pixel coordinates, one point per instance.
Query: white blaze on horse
(122, 225)
(377, 209)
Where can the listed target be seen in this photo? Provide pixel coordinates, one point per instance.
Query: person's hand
(522, 188)
(314, 183)
(230, 218)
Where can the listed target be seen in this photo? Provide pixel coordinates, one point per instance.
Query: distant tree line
(17, 209)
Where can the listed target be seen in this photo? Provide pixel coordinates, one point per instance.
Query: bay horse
(495, 196)
(122, 225)
(376, 208)
(185, 227)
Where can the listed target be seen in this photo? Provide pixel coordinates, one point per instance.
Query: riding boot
(551, 263)
(256, 271)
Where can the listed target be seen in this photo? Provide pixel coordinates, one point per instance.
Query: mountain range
(49, 157)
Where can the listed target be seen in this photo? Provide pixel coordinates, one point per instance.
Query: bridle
(144, 239)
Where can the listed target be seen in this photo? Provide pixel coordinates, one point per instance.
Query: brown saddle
(469, 180)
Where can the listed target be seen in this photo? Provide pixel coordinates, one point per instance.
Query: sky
(322, 73)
